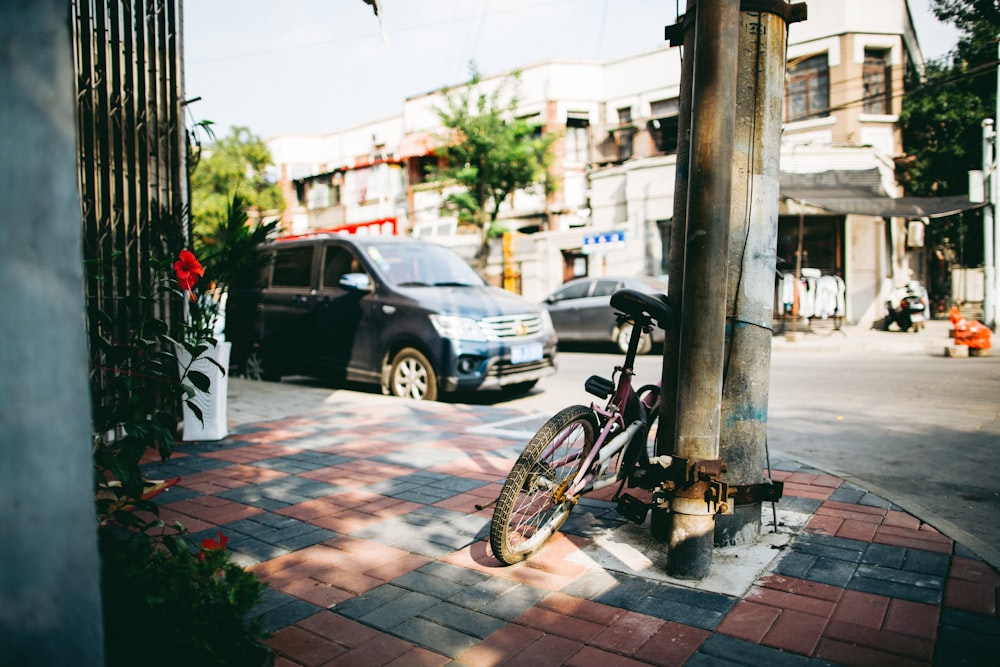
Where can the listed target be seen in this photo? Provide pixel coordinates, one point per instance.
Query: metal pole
(659, 523)
(753, 234)
(992, 318)
(703, 319)
(989, 291)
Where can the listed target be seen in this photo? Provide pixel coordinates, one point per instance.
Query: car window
(337, 262)
(422, 265)
(292, 267)
(604, 287)
(576, 290)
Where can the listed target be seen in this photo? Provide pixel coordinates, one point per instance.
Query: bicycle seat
(646, 306)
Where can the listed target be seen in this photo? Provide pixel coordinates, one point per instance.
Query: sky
(316, 66)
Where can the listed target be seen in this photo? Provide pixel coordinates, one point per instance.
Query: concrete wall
(50, 607)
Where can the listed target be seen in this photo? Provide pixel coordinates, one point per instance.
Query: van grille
(513, 326)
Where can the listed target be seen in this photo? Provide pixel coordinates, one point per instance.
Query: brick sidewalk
(362, 520)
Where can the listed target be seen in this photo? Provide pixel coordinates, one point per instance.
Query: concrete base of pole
(739, 528)
(690, 549)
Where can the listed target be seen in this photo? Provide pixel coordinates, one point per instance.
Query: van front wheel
(255, 367)
(412, 376)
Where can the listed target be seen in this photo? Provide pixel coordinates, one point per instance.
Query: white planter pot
(213, 404)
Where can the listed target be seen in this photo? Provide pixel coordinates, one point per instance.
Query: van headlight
(458, 328)
(547, 326)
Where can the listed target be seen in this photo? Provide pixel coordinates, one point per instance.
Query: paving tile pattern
(364, 524)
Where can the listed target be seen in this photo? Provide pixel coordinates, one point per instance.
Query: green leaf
(199, 380)
(195, 410)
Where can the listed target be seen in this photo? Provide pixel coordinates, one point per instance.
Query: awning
(859, 192)
(417, 144)
(885, 207)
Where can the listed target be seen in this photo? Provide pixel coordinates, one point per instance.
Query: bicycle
(584, 449)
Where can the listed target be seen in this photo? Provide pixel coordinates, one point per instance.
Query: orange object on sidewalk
(974, 334)
(954, 314)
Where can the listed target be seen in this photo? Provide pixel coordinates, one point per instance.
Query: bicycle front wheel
(533, 504)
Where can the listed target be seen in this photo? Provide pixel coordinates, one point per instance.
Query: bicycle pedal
(598, 386)
(632, 508)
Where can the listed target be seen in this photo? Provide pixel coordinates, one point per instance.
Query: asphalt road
(922, 431)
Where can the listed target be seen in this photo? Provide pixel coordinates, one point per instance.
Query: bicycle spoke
(533, 503)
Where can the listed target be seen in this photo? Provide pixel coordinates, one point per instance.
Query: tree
(945, 104)
(942, 116)
(233, 165)
(490, 153)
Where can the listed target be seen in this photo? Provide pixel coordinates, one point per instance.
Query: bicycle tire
(528, 512)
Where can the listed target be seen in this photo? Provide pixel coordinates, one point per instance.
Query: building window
(422, 167)
(878, 82)
(319, 196)
(808, 94)
(577, 139)
(663, 125)
(625, 133)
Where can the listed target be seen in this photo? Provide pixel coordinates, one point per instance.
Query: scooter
(907, 307)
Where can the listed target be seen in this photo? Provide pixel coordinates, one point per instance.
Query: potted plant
(228, 258)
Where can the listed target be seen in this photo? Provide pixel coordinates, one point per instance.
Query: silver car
(581, 310)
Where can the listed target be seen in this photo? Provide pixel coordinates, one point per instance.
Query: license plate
(522, 354)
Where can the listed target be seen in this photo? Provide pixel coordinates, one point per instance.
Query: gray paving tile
(913, 586)
(795, 564)
(723, 650)
(800, 505)
(830, 547)
(407, 605)
(303, 539)
(450, 572)
(292, 611)
(616, 589)
(420, 456)
(255, 548)
(831, 571)
(481, 595)
(515, 601)
(435, 637)
(848, 493)
(927, 562)
(885, 555)
(466, 621)
(182, 466)
(288, 464)
(255, 497)
(368, 602)
(688, 606)
(429, 584)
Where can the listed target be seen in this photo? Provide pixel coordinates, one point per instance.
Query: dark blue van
(409, 315)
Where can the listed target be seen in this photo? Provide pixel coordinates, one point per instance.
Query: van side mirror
(358, 282)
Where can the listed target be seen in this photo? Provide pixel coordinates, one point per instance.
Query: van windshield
(420, 265)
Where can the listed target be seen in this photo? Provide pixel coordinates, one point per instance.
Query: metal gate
(132, 155)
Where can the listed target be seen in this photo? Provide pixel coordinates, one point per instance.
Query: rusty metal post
(753, 231)
(681, 34)
(703, 318)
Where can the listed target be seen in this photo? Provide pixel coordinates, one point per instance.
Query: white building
(615, 163)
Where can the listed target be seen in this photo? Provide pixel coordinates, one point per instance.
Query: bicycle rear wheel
(532, 505)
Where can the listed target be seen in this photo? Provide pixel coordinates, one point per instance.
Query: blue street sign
(603, 242)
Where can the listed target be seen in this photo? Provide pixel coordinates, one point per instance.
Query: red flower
(211, 544)
(188, 269)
